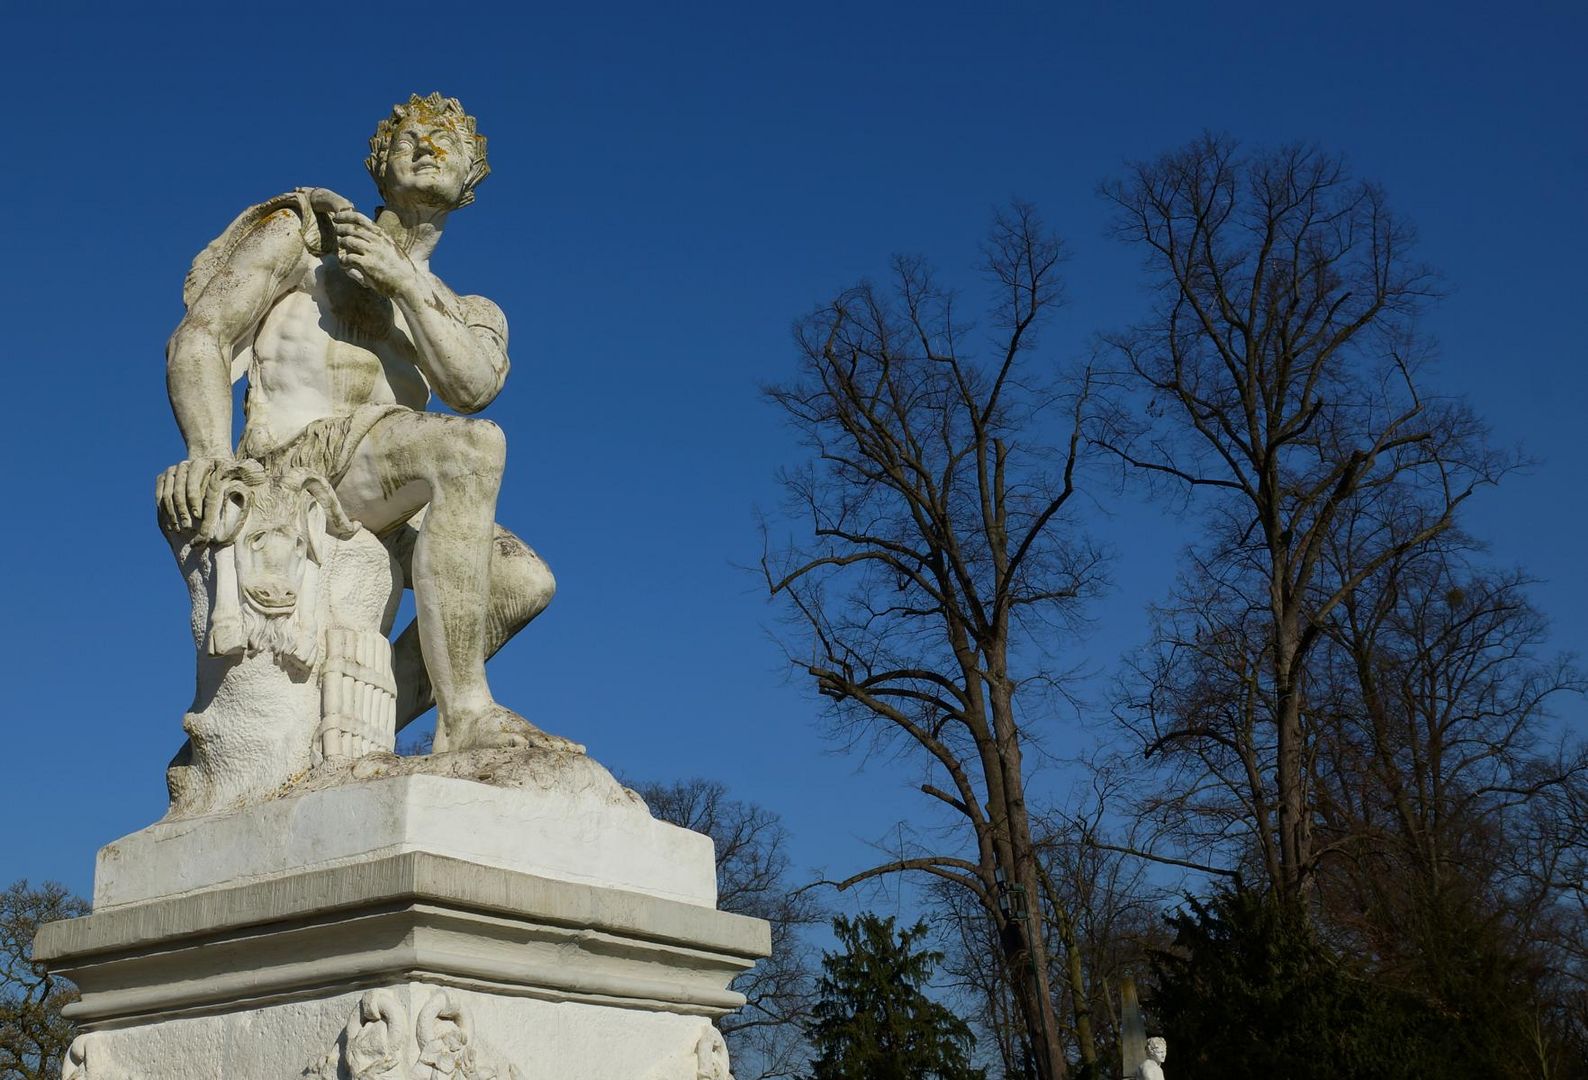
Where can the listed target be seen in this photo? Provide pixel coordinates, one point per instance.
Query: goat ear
(233, 509)
(314, 530)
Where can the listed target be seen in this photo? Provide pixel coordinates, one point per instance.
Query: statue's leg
(452, 466)
(521, 587)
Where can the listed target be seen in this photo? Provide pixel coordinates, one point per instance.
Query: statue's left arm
(461, 342)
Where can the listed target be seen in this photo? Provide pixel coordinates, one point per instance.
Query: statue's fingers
(361, 237)
(179, 495)
(168, 497)
(350, 219)
(162, 488)
(197, 477)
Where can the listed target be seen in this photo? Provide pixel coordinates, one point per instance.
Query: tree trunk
(1295, 833)
(1028, 959)
(1026, 956)
(1075, 976)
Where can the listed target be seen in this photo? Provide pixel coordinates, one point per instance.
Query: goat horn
(337, 523)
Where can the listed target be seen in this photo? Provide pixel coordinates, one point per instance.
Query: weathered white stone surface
(255, 981)
(556, 815)
(291, 607)
(343, 333)
(313, 905)
(401, 1032)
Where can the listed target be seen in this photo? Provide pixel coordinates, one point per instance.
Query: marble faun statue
(344, 333)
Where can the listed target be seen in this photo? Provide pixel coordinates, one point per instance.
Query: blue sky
(673, 185)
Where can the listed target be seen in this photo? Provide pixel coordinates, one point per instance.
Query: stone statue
(313, 904)
(344, 332)
(1157, 1053)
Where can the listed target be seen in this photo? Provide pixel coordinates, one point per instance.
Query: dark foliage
(874, 1020)
(1251, 990)
(33, 1034)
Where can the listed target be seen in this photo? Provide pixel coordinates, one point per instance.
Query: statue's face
(427, 164)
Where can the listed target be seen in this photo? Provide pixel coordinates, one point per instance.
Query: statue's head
(1158, 1049)
(427, 153)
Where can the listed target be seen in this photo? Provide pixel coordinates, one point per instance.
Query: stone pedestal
(477, 916)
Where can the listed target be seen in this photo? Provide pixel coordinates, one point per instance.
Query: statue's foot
(498, 727)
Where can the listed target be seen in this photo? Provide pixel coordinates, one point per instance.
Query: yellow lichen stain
(438, 151)
(284, 212)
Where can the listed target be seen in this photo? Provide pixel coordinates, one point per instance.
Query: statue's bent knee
(484, 448)
(521, 582)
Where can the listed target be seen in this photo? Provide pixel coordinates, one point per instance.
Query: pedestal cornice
(413, 915)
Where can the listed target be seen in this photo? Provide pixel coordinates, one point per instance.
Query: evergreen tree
(1250, 991)
(874, 1021)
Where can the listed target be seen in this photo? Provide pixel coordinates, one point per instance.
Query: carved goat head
(275, 524)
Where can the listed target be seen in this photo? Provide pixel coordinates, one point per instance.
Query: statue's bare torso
(324, 349)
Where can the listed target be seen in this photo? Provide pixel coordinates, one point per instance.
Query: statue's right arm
(263, 266)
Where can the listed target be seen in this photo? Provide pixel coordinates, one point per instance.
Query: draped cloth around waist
(325, 446)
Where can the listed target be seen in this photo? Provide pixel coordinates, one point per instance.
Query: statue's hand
(369, 255)
(325, 201)
(180, 492)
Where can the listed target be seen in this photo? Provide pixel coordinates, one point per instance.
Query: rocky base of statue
(491, 914)
(292, 603)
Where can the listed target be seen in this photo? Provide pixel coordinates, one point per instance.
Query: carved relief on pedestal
(378, 1044)
(370, 1046)
(82, 1063)
(707, 1059)
(711, 1056)
(447, 1050)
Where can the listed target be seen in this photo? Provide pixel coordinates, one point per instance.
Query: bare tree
(1559, 834)
(766, 1036)
(1197, 706)
(1278, 376)
(974, 967)
(1443, 800)
(938, 565)
(33, 1033)
(1114, 917)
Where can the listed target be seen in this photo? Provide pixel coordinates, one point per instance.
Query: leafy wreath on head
(434, 109)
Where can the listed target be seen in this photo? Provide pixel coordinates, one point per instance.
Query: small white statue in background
(1157, 1052)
